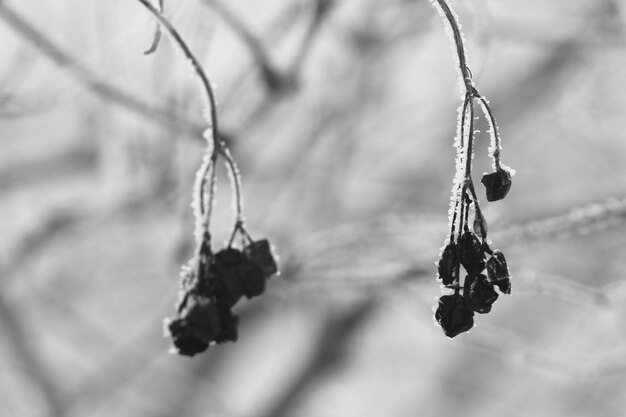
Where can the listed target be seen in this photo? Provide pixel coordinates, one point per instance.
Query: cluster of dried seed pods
(477, 292)
(212, 283)
(467, 246)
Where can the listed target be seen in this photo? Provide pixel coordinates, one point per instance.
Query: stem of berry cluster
(458, 40)
(467, 109)
(219, 147)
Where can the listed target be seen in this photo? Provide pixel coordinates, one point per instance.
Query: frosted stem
(496, 147)
(458, 41)
(218, 145)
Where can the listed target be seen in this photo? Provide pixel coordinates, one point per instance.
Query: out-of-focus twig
(39, 238)
(28, 360)
(581, 220)
(274, 80)
(79, 160)
(91, 80)
(279, 27)
(321, 10)
(328, 354)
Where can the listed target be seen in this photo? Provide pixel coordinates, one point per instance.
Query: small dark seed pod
(498, 272)
(472, 253)
(453, 315)
(497, 184)
(252, 278)
(260, 251)
(229, 258)
(228, 286)
(480, 293)
(448, 264)
(229, 325)
(195, 327)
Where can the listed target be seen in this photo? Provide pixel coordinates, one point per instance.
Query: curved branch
(458, 41)
(194, 63)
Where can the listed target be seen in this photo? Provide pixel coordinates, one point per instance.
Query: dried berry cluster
(211, 285)
(477, 293)
(467, 248)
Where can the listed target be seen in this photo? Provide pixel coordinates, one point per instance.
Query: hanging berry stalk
(157, 33)
(212, 283)
(467, 248)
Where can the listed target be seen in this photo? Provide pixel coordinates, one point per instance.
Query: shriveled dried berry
(228, 258)
(447, 264)
(480, 293)
(252, 278)
(497, 184)
(498, 272)
(227, 288)
(195, 327)
(227, 278)
(472, 253)
(453, 315)
(185, 342)
(237, 275)
(260, 251)
(229, 325)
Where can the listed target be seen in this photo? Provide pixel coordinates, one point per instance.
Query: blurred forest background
(341, 119)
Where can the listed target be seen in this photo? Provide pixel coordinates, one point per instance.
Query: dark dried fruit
(236, 275)
(453, 315)
(260, 251)
(497, 184)
(252, 278)
(480, 293)
(229, 325)
(196, 327)
(227, 289)
(472, 253)
(227, 278)
(498, 272)
(185, 343)
(228, 258)
(448, 264)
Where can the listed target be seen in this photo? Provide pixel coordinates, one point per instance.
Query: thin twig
(157, 33)
(470, 89)
(458, 41)
(218, 145)
(204, 79)
(495, 146)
